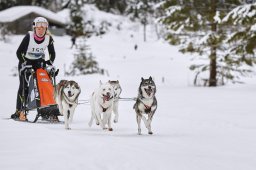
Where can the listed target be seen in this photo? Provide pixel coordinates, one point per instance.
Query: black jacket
(22, 50)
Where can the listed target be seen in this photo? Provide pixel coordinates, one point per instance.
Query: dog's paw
(97, 123)
(110, 129)
(151, 133)
(147, 125)
(68, 128)
(139, 131)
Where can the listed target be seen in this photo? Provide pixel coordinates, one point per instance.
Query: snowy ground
(194, 128)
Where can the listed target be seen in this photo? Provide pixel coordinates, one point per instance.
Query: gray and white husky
(146, 103)
(117, 91)
(66, 96)
(102, 105)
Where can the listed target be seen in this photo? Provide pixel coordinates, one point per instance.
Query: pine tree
(242, 40)
(113, 6)
(145, 9)
(84, 62)
(142, 10)
(3, 32)
(4, 4)
(196, 26)
(42, 3)
(76, 26)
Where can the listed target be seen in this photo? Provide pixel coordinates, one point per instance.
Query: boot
(22, 116)
(15, 116)
(19, 115)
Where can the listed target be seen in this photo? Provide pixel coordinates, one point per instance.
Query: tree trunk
(213, 56)
(213, 68)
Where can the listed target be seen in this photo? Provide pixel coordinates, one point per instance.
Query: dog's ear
(150, 78)
(117, 81)
(77, 86)
(61, 88)
(142, 79)
(140, 91)
(63, 82)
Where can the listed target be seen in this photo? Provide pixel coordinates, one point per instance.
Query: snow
(65, 14)
(253, 28)
(14, 13)
(93, 14)
(173, 9)
(217, 17)
(195, 128)
(204, 39)
(240, 13)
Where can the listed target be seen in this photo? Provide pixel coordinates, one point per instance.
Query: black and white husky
(117, 91)
(146, 103)
(102, 105)
(66, 96)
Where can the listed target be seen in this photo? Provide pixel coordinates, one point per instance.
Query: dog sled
(38, 92)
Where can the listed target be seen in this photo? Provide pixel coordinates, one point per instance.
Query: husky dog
(146, 103)
(66, 96)
(102, 103)
(117, 91)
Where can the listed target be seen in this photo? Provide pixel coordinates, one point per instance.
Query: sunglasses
(41, 24)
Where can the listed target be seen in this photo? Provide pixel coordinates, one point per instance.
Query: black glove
(28, 62)
(48, 62)
(40, 63)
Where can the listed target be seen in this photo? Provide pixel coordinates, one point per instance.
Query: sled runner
(38, 93)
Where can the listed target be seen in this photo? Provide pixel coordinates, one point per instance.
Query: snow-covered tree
(196, 26)
(4, 4)
(48, 4)
(113, 6)
(84, 62)
(76, 26)
(242, 40)
(4, 33)
(142, 10)
(41, 3)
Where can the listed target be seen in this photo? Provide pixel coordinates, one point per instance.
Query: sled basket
(40, 94)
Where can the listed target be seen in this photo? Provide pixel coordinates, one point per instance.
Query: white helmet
(40, 22)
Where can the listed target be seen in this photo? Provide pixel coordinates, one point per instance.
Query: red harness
(147, 107)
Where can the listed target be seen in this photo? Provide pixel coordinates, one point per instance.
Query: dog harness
(147, 108)
(104, 109)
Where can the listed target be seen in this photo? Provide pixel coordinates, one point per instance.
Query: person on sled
(32, 52)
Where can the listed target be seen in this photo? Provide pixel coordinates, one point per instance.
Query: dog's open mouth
(148, 91)
(70, 95)
(106, 97)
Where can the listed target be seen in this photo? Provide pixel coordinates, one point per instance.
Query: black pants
(23, 89)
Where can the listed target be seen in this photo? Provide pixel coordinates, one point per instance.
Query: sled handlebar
(24, 67)
(28, 68)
